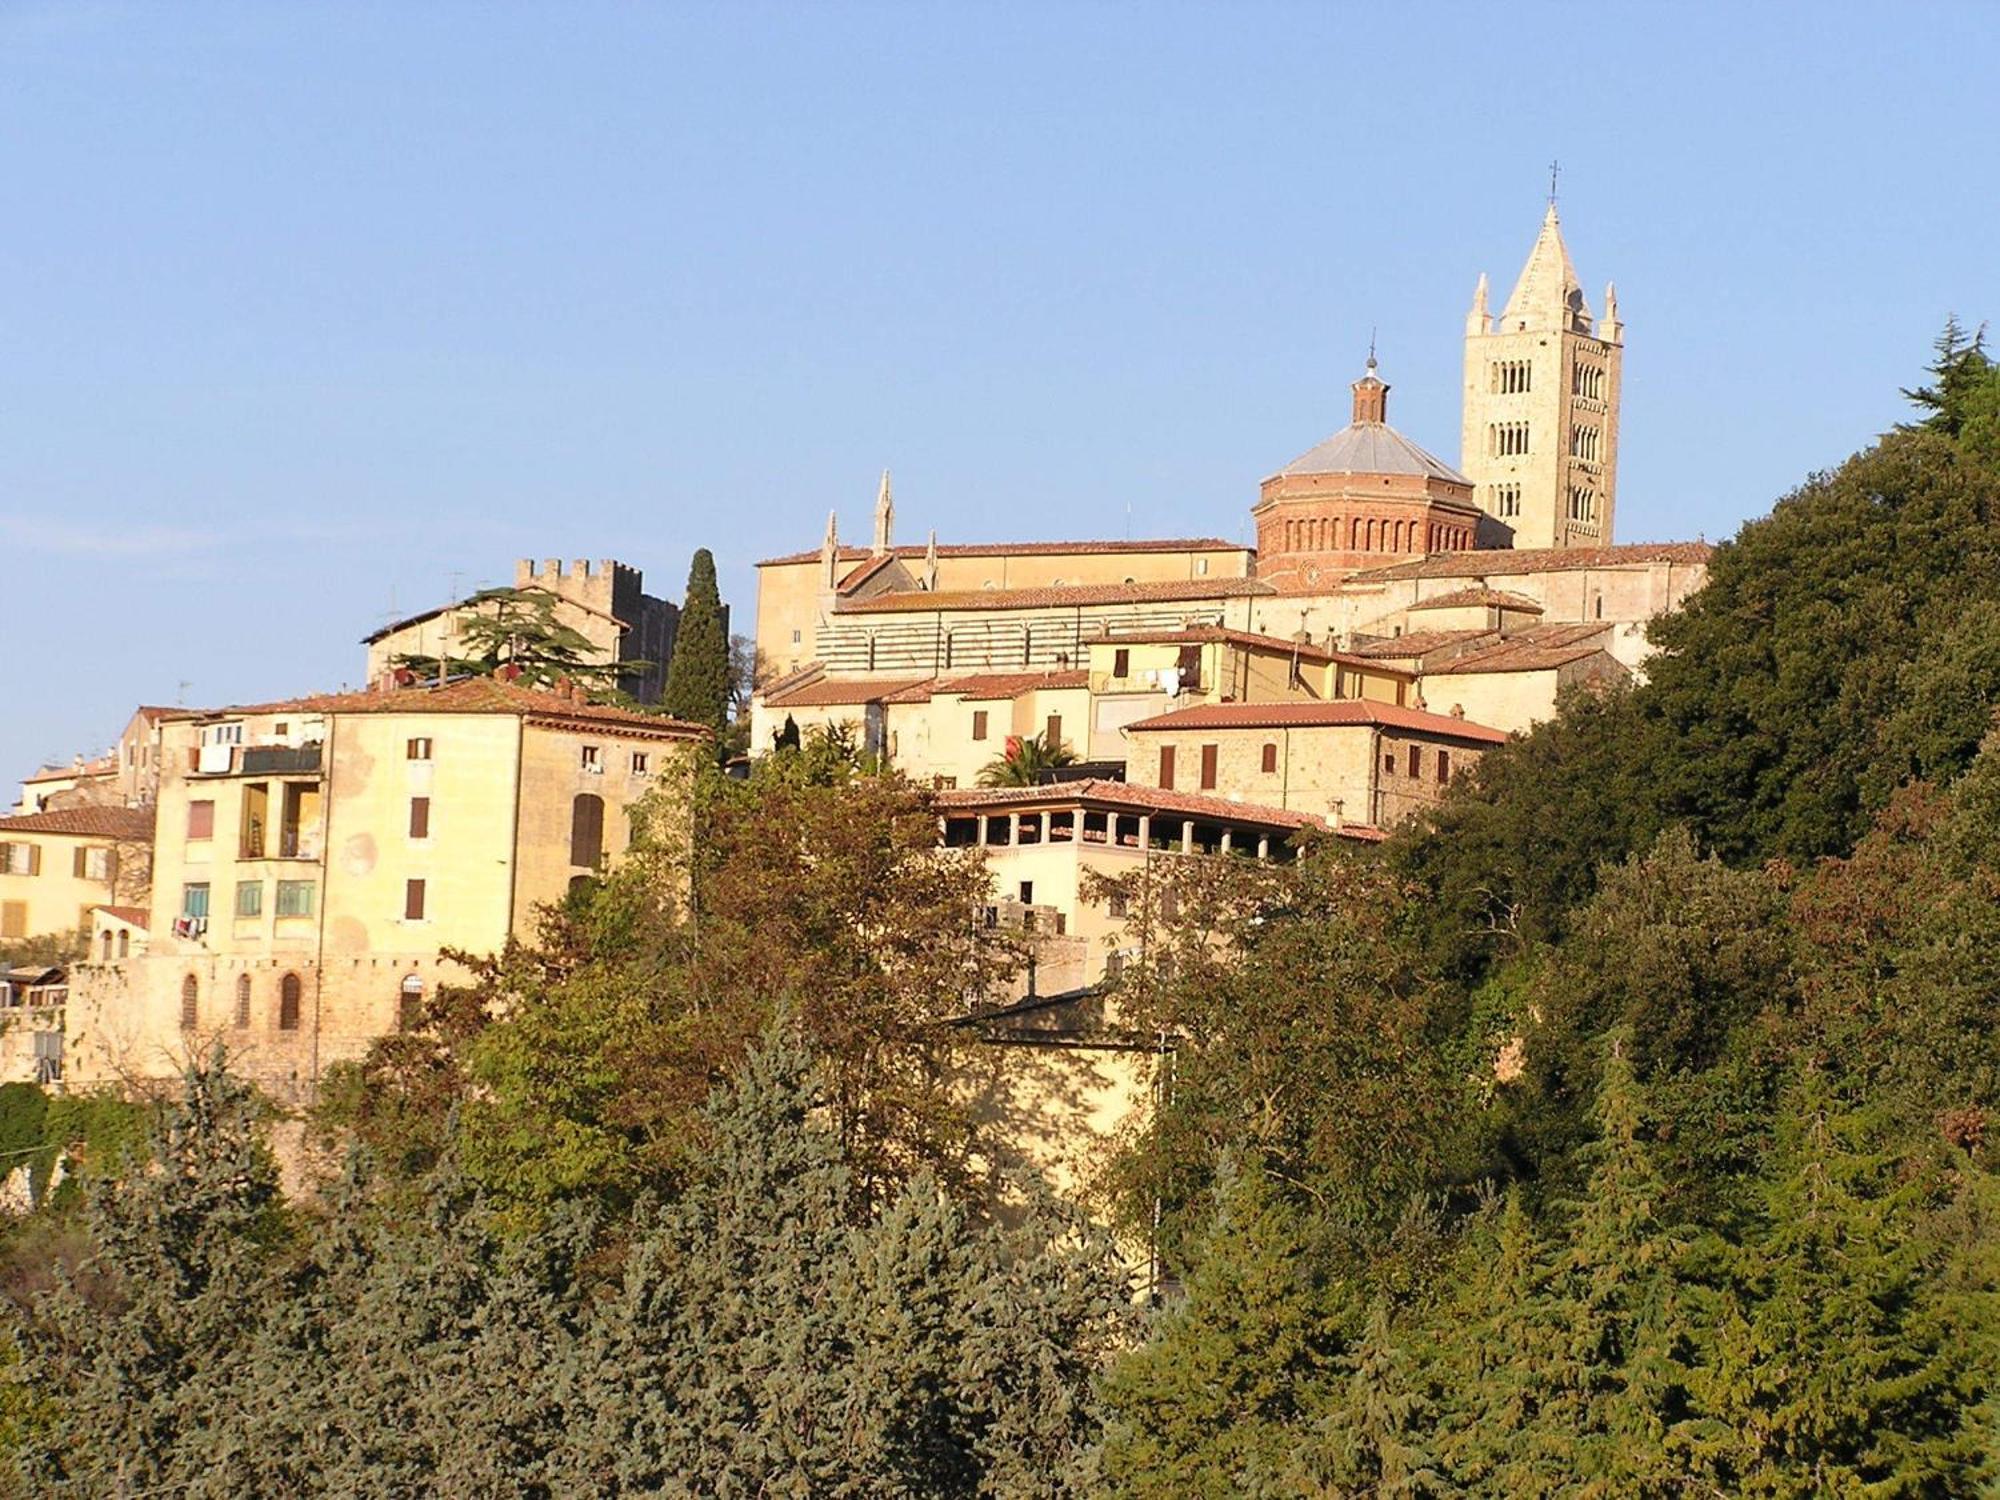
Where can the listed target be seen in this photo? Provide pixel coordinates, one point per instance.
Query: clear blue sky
(308, 310)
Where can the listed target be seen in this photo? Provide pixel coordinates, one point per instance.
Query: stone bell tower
(1540, 436)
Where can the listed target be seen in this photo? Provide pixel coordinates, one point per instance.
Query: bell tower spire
(1540, 429)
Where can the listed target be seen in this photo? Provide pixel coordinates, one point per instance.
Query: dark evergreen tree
(138, 1357)
(698, 672)
(1376, 1438)
(1842, 1363)
(1209, 1405)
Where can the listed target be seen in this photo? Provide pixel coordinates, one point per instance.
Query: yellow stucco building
(314, 858)
(56, 866)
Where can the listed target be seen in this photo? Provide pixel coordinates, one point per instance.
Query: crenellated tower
(1540, 435)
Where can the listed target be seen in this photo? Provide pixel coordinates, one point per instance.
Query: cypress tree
(698, 674)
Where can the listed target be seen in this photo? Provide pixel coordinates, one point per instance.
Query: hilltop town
(292, 880)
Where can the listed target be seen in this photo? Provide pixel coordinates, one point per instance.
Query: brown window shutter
(77, 860)
(1270, 760)
(413, 901)
(979, 723)
(1054, 735)
(1208, 759)
(1167, 767)
(420, 817)
(34, 859)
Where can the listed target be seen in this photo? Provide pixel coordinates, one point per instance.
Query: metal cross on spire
(1555, 170)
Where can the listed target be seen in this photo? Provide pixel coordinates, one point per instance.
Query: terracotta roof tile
(862, 574)
(474, 695)
(1414, 644)
(1479, 594)
(104, 765)
(1500, 562)
(131, 916)
(1023, 549)
(1538, 651)
(1340, 713)
(1056, 596)
(1010, 684)
(833, 692)
(86, 822)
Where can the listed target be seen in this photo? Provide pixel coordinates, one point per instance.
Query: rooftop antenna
(181, 693)
(1555, 171)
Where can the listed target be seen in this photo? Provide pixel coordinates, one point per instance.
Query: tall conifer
(698, 673)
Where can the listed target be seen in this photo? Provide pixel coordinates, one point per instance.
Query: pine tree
(1837, 1362)
(1376, 1437)
(1207, 1405)
(698, 672)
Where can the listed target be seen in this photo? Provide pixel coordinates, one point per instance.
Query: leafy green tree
(1027, 761)
(698, 674)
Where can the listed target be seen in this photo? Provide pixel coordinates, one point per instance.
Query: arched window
(242, 1001)
(410, 1003)
(124, 941)
(190, 1002)
(107, 945)
(1600, 606)
(288, 1002)
(586, 830)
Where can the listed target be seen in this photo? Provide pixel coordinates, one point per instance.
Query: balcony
(280, 760)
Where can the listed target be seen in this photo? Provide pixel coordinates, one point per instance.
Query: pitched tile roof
(833, 692)
(1339, 713)
(86, 822)
(131, 916)
(1501, 562)
(1479, 594)
(1413, 644)
(1525, 654)
(1009, 684)
(1055, 596)
(1022, 549)
(473, 695)
(866, 571)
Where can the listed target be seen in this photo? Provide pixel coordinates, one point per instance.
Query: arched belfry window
(586, 830)
(190, 1002)
(242, 1000)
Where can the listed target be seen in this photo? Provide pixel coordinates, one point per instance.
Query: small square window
(592, 760)
(639, 763)
(295, 898)
(1117, 904)
(249, 898)
(418, 748)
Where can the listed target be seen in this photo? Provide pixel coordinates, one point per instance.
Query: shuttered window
(586, 830)
(1167, 767)
(289, 994)
(420, 817)
(1208, 759)
(413, 901)
(201, 819)
(1270, 760)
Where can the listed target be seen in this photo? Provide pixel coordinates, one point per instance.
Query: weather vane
(1555, 170)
